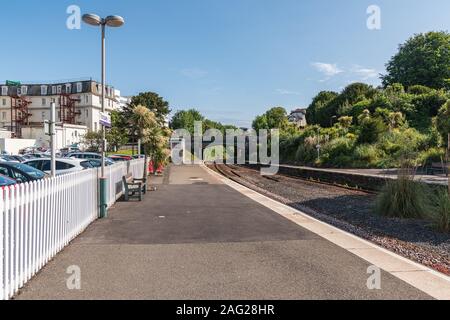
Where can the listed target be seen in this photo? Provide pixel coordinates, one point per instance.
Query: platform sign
(105, 120)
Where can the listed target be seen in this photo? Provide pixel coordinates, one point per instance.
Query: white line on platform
(431, 282)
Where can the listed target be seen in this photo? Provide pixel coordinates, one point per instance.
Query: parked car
(96, 163)
(21, 172)
(19, 158)
(35, 155)
(6, 181)
(65, 151)
(8, 158)
(63, 165)
(83, 155)
(139, 156)
(120, 158)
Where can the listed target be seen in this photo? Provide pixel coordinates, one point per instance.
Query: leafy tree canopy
(423, 60)
(151, 101)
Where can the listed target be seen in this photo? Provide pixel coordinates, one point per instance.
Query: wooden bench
(134, 188)
(439, 167)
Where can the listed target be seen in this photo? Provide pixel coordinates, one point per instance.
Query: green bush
(370, 130)
(338, 152)
(431, 155)
(404, 198)
(366, 156)
(400, 146)
(440, 216)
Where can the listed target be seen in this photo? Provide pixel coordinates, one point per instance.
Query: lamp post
(115, 22)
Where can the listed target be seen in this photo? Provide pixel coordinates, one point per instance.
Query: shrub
(338, 152)
(401, 145)
(440, 216)
(431, 155)
(371, 128)
(366, 155)
(403, 198)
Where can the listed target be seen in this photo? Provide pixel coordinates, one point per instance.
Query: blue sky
(231, 59)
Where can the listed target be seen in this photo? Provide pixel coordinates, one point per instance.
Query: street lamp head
(114, 21)
(92, 19)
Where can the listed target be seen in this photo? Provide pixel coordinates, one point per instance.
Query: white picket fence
(37, 220)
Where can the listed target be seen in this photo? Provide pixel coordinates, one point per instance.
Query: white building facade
(78, 103)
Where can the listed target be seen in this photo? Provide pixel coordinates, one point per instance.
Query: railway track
(231, 171)
(351, 210)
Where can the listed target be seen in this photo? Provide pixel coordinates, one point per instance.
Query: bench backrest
(439, 165)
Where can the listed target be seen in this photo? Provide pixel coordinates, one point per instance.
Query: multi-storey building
(77, 103)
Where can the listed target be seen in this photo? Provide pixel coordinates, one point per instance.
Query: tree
(317, 112)
(423, 60)
(260, 123)
(345, 122)
(443, 122)
(154, 137)
(185, 119)
(277, 118)
(117, 136)
(274, 118)
(371, 129)
(92, 141)
(153, 102)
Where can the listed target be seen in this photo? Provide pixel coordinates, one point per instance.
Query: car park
(21, 172)
(8, 158)
(63, 165)
(35, 155)
(6, 181)
(84, 155)
(18, 158)
(120, 158)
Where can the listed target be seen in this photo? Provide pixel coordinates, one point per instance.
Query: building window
(3, 115)
(59, 89)
(79, 87)
(24, 90)
(4, 91)
(53, 89)
(95, 126)
(59, 114)
(87, 113)
(43, 90)
(4, 102)
(43, 115)
(86, 97)
(44, 102)
(68, 88)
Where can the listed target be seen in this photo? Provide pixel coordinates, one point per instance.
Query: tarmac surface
(196, 238)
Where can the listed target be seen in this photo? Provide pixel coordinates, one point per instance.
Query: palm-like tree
(154, 137)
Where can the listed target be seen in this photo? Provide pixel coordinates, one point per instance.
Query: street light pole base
(103, 184)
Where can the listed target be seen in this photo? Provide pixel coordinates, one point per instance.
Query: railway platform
(199, 236)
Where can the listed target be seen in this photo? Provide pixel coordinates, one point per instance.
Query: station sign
(105, 120)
